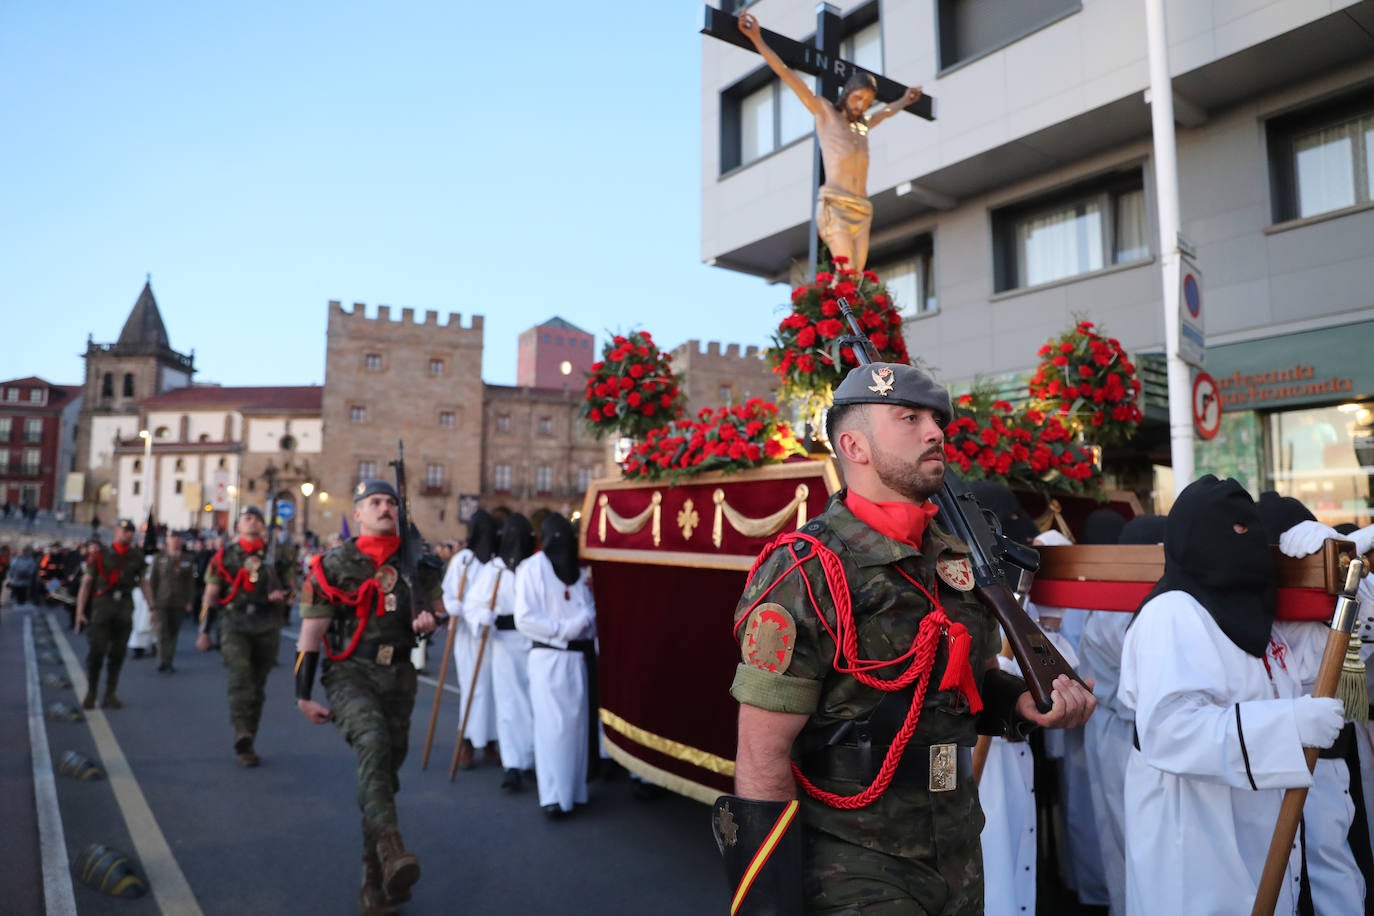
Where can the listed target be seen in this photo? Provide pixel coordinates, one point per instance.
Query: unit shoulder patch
(956, 572)
(770, 637)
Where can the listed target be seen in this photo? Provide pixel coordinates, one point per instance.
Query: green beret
(894, 383)
(371, 485)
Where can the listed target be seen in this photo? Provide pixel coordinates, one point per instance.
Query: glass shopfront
(1298, 417)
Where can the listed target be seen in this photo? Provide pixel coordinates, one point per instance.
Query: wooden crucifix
(843, 216)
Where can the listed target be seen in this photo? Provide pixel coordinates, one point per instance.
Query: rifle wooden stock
(1040, 661)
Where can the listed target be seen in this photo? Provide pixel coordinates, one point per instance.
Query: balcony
(434, 489)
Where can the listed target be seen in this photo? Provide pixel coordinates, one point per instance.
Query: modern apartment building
(37, 442)
(1030, 200)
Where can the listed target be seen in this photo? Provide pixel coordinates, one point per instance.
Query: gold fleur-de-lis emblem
(883, 379)
(687, 520)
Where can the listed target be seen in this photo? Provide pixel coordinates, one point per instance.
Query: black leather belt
(861, 764)
(1341, 748)
(505, 621)
(576, 645)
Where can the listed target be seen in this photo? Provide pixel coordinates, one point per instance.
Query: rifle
(269, 553)
(1001, 567)
(409, 561)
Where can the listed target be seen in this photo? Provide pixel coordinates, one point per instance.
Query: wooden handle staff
(472, 687)
(443, 669)
(1328, 675)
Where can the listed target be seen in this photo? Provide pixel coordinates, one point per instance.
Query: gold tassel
(1353, 688)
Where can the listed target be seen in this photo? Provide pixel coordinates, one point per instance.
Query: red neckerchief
(378, 547)
(110, 579)
(905, 522)
(119, 548)
(251, 546)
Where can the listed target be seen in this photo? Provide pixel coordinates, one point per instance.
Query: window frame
(1109, 188)
(1284, 130)
(945, 38)
(921, 249)
(501, 473)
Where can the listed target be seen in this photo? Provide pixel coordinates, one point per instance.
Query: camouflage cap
(253, 511)
(371, 485)
(894, 383)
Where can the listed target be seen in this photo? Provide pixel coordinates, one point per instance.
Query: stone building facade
(419, 382)
(714, 376)
(537, 452)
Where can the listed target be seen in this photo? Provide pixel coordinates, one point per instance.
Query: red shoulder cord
(934, 626)
(369, 591)
(110, 581)
(237, 581)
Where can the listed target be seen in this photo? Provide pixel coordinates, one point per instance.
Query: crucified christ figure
(844, 214)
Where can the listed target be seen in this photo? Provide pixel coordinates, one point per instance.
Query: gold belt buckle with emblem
(384, 654)
(944, 768)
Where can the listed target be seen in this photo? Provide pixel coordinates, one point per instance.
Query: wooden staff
(472, 687)
(453, 624)
(1290, 812)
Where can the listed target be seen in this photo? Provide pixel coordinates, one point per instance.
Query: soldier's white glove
(1364, 539)
(1319, 720)
(1306, 538)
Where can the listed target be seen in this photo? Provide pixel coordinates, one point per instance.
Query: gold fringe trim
(629, 525)
(659, 777)
(1353, 687)
(757, 527)
(675, 749)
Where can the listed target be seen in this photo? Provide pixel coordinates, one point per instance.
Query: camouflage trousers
(372, 704)
(249, 647)
(169, 621)
(107, 636)
(911, 853)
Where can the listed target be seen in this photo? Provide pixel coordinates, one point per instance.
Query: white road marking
(58, 898)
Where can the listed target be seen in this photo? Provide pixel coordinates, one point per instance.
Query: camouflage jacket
(114, 577)
(346, 568)
(887, 615)
(235, 566)
(173, 579)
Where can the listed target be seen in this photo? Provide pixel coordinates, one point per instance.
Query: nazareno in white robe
(1218, 745)
(481, 725)
(1107, 742)
(550, 612)
(1005, 791)
(507, 664)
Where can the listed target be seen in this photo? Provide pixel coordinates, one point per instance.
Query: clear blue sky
(516, 160)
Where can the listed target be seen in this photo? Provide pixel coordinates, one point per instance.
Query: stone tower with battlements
(415, 381)
(715, 376)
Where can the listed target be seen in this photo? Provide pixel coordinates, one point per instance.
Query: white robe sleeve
(453, 578)
(537, 615)
(477, 604)
(1203, 707)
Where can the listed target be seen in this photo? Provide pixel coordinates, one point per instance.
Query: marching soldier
(107, 587)
(355, 596)
(868, 669)
(174, 589)
(253, 601)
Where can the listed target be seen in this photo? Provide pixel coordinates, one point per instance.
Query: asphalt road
(285, 838)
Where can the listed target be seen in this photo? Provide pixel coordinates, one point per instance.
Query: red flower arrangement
(747, 435)
(1087, 380)
(632, 389)
(1030, 450)
(807, 353)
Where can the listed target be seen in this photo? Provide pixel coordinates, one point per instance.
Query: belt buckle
(384, 654)
(117, 594)
(944, 768)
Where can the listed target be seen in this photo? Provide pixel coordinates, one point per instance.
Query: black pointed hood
(1102, 526)
(482, 533)
(1143, 530)
(1231, 574)
(517, 541)
(1281, 513)
(559, 542)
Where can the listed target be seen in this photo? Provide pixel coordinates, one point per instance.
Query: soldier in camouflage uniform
(174, 592)
(107, 591)
(356, 602)
(868, 663)
(253, 602)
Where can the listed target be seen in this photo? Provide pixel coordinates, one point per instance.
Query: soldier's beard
(905, 476)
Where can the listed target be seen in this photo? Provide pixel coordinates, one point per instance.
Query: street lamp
(307, 488)
(147, 438)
